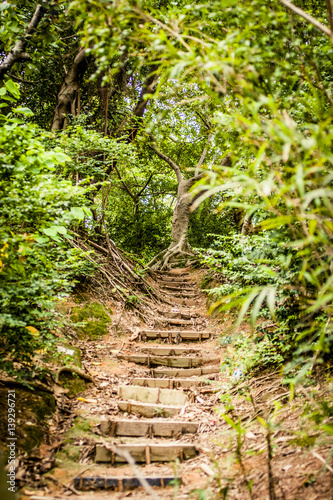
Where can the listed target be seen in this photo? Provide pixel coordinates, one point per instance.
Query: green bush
(35, 262)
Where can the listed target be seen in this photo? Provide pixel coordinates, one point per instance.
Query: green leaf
(87, 211)
(13, 88)
(61, 229)
(50, 231)
(328, 428)
(61, 157)
(3, 91)
(262, 422)
(41, 240)
(24, 111)
(77, 213)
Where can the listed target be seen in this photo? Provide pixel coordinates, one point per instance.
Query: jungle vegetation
(164, 131)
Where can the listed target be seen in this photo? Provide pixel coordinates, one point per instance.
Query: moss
(33, 435)
(91, 319)
(33, 407)
(72, 452)
(80, 298)
(72, 382)
(80, 428)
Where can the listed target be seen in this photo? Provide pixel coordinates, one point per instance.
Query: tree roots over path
(176, 254)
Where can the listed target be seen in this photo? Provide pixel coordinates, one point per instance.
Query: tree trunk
(179, 248)
(181, 217)
(68, 97)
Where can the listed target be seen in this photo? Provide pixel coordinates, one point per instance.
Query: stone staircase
(158, 425)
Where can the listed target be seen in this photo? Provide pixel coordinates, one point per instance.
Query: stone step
(149, 410)
(186, 372)
(177, 313)
(176, 279)
(179, 362)
(170, 351)
(154, 395)
(120, 483)
(182, 294)
(180, 271)
(169, 383)
(177, 335)
(145, 453)
(185, 302)
(176, 321)
(148, 428)
(179, 287)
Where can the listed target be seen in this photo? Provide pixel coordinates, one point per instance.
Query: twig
(271, 488)
(316, 455)
(129, 459)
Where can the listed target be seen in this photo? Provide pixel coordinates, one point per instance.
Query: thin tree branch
(329, 4)
(307, 17)
(203, 155)
(22, 80)
(17, 52)
(203, 119)
(168, 160)
(144, 187)
(127, 189)
(141, 105)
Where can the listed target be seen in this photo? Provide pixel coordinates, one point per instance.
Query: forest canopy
(176, 132)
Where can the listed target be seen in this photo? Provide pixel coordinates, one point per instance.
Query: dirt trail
(158, 397)
(155, 400)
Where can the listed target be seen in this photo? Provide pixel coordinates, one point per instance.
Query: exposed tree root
(179, 251)
(26, 385)
(73, 369)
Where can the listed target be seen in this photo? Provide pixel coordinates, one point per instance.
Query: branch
(203, 155)
(329, 4)
(17, 52)
(168, 160)
(307, 17)
(203, 119)
(22, 80)
(69, 89)
(141, 105)
(127, 189)
(144, 187)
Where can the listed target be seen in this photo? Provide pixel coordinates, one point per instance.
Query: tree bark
(141, 105)
(247, 226)
(68, 97)
(181, 215)
(179, 246)
(17, 53)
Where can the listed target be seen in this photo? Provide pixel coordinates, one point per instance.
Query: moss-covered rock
(91, 320)
(73, 382)
(32, 409)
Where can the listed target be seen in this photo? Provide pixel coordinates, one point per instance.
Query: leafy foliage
(35, 263)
